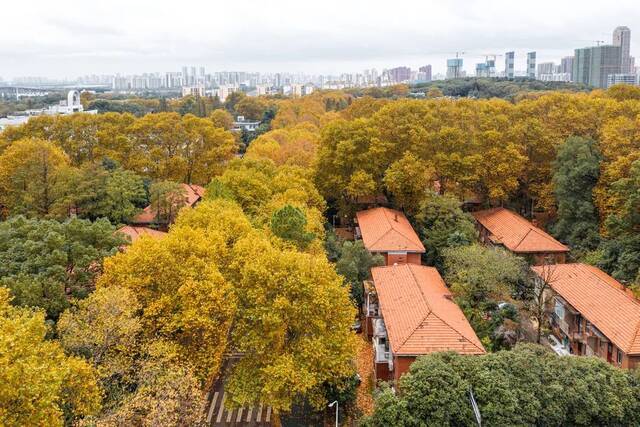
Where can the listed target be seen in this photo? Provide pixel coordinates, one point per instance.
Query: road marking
(249, 414)
(219, 418)
(239, 417)
(259, 417)
(213, 406)
(229, 415)
(268, 414)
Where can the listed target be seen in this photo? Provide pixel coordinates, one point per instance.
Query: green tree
(354, 264)
(576, 173)
(289, 223)
(29, 172)
(480, 278)
(43, 261)
(442, 224)
(529, 385)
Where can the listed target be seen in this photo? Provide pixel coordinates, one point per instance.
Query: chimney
(534, 221)
(395, 216)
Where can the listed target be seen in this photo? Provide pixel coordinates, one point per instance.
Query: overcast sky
(66, 38)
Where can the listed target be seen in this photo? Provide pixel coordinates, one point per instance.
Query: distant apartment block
(509, 65)
(399, 74)
(454, 68)
(592, 65)
(426, 73)
(614, 79)
(531, 65)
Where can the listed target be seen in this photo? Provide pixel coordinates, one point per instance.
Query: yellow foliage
(37, 381)
(184, 297)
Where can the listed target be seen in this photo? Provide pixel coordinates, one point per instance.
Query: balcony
(564, 327)
(382, 353)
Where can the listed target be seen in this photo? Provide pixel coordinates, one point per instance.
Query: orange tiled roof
(419, 313)
(385, 230)
(600, 298)
(193, 194)
(516, 233)
(135, 233)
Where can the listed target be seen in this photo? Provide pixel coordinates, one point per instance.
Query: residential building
(566, 66)
(614, 79)
(500, 227)
(592, 65)
(197, 90)
(486, 68)
(426, 77)
(454, 68)
(622, 39)
(410, 312)
(593, 314)
(509, 65)
(240, 124)
(388, 232)
(531, 65)
(149, 216)
(399, 74)
(547, 68)
(134, 233)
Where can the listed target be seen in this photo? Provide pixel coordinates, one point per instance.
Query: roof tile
(516, 233)
(419, 312)
(385, 230)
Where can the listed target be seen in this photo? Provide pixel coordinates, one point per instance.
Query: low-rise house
(388, 232)
(135, 233)
(410, 312)
(504, 228)
(592, 313)
(149, 216)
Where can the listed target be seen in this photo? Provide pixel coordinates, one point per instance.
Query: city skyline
(293, 37)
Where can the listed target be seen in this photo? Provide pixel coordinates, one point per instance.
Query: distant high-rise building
(566, 66)
(546, 68)
(531, 65)
(427, 72)
(454, 68)
(399, 74)
(592, 65)
(622, 39)
(509, 65)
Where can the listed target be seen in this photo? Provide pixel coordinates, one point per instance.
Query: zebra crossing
(220, 415)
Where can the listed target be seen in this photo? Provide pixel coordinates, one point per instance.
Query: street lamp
(335, 402)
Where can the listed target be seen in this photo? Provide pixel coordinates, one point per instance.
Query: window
(619, 357)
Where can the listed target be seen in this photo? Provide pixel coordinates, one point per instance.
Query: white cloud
(69, 37)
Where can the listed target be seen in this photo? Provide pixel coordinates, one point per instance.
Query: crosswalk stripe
(213, 406)
(249, 413)
(239, 417)
(229, 414)
(259, 417)
(268, 414)
(221, 410)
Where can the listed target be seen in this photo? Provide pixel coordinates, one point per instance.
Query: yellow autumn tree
(184, 297)
(39, 384)
(30, 170)
(293, 325)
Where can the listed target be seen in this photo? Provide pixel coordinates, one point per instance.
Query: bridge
(18, 92)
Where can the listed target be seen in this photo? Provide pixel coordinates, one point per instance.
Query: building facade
(531, 65)
(591, 314)
(509, 65)
(592, 65)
